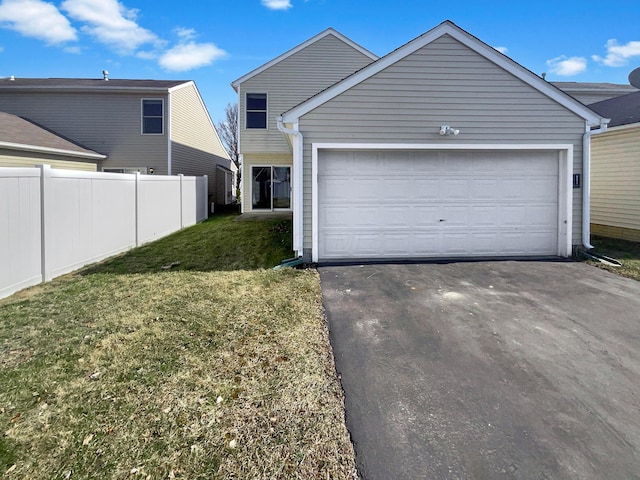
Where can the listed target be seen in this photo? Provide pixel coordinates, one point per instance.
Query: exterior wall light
(447, 130)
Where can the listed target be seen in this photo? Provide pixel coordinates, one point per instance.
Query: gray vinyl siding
(445, 82)
(292, 81)
(195, 146)
(615, 178)
(108, 123)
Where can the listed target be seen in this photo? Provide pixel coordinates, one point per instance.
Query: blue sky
(214, 42)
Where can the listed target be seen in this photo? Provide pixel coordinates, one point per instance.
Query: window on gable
(152, 116)
(256, 110)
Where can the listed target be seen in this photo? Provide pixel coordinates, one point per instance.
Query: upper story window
(256, 110)
(152, 116)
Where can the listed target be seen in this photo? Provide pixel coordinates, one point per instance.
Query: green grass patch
(622, 250)
(215, 368)
(220, 243)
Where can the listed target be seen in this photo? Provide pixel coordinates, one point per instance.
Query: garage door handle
(442, 219)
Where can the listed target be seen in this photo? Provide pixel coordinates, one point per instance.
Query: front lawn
(625, 251)
(215, 367)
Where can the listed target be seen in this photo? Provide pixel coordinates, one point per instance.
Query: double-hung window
(256, 110)
(152, 116)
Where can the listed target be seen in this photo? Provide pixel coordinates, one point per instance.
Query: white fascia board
(51, 151)
(447, 28)
(329, 31)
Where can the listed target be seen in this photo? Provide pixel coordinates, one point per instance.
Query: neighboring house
(377, 174)
(25, 144)
(615, 177)
(147, 126)
(588, 93)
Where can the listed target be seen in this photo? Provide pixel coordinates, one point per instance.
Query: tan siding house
(442, 148)
(150, 126)
(615, 176)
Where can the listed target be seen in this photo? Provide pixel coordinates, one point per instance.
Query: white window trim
(271, 166)
(142, 100)
(266, 111)
(565, 180)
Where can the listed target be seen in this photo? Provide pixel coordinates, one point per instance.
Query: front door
(270, 188)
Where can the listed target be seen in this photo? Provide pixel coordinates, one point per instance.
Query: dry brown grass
(171, 375)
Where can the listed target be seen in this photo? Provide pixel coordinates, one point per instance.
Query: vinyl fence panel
(20, 229)
(53, 221)
(88, 217)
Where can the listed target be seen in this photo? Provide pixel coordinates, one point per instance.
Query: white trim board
(565, 179)
(475, 44)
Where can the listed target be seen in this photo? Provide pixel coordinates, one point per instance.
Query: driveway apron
(487, 370)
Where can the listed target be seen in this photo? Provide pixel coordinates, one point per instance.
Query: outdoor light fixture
(447, 130)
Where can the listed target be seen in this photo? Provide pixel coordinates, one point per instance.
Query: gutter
(586, 180)
(297, 184)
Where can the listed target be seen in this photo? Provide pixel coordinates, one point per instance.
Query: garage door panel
(454, 189)
(450, 204)
(426, 188)
(539, 215)
(425, 216)
(454, 215)
(483, 215)
(484, 189)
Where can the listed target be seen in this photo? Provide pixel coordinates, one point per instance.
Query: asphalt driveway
(488, 370)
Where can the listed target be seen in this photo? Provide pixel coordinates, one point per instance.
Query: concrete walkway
(488, 370)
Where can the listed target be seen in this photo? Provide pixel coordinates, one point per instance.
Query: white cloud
(111, 23)
(185, 34)
(618, 55)
(502, 49)
(37, 19)
(567, 66)
(187, 56)
(277, 4)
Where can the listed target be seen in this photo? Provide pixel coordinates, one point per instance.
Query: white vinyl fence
(53, 221)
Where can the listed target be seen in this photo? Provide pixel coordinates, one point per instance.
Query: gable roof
(623, 110)
(329, 31)
(88, 84)
(446, 28)
(17, 133)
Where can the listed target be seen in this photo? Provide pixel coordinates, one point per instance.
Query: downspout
(586, 181)
(297, 184)
(169, 153)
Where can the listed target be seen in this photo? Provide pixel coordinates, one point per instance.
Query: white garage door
(415, 204)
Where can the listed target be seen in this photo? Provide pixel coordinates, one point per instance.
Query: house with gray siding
(149, 126)
(445, 147)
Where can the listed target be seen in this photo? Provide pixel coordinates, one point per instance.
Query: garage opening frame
(565, 179)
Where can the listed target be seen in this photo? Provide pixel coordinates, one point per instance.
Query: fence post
(137, 208)
(45, 201)
(181, 176)
(205, 197)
